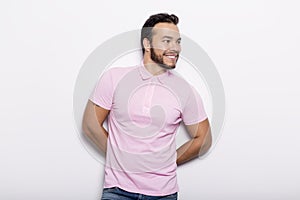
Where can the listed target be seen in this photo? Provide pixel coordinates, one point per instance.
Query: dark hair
(152, 21)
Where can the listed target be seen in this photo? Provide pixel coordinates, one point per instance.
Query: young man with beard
(145, 105)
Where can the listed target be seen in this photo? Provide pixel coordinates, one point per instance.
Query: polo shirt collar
(145, 74)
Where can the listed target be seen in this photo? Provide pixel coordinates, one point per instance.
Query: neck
(152, 67)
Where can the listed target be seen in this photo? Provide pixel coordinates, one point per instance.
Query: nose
(175, 46)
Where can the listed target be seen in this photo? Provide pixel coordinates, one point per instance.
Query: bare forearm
(192, 149)
(92, 125)
(98, 137)
(187, 151)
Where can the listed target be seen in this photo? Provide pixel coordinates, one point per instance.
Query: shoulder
(115, 74)
(115, 71)
(182, 88)
(176, 80)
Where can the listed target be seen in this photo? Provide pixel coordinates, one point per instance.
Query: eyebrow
(169, 37)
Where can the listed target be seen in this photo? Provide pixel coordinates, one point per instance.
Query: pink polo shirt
(145, 112)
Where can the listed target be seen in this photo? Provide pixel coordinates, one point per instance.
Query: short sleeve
(193, 111)
(103, 92)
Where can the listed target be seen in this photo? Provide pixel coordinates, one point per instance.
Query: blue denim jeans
(116, 193)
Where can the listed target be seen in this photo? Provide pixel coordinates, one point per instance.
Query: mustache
(176, 53)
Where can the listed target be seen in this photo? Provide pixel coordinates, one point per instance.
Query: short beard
(159, 60)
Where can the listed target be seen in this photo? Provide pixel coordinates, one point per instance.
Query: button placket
(148, 96)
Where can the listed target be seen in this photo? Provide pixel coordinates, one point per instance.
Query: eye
(178, 41)
(166, 41)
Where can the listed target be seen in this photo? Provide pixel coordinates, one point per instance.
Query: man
(145, 105)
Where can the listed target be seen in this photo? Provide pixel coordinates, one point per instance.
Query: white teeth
(171, 57)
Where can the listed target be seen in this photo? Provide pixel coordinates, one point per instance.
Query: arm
(199, 144)
(92, 125)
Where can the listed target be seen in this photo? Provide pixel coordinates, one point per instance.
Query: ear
(146, 44)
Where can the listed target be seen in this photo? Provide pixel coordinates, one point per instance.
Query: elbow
(206, 145)
(209, 142)
(86, 129)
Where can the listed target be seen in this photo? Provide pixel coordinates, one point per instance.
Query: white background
(254, 45)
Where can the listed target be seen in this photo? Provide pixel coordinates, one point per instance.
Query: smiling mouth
(171, 56)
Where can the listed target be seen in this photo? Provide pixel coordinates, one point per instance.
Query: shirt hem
(196, 121)
(144, 192)
(99, 104)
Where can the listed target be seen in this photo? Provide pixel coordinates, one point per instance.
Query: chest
(146, 104)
